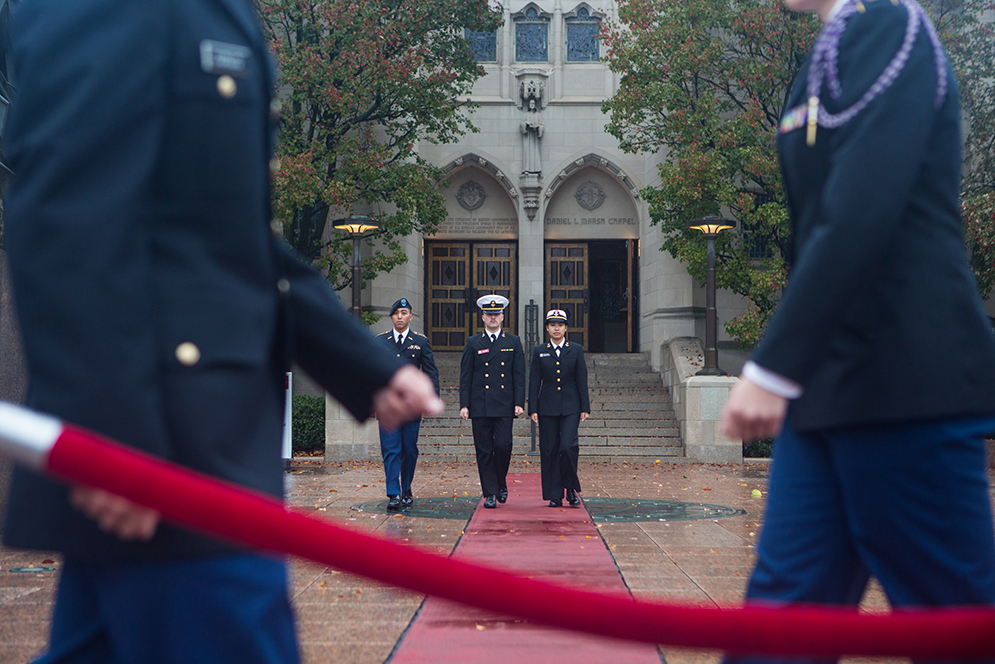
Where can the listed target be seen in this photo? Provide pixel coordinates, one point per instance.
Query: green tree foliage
(362, 84)
(967, 28)
(705, 82)
(979, 227)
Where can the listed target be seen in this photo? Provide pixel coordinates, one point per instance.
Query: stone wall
(698, 402)
(345, 438)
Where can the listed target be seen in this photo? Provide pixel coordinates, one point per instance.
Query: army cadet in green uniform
(492, 395)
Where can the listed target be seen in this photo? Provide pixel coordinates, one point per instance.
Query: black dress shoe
(490, 502)
(407, 499)
(557, 502)
(393, 503)
(503, 496)
(572, 497)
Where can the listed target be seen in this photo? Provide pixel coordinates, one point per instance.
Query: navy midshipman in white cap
(492, 395)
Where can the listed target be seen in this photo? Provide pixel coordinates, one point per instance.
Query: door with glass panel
(494, 272)
(457, 274)
(567, 287)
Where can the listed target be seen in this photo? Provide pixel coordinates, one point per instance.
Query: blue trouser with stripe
(399, 449)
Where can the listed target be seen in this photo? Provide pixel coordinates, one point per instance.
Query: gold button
(283, 286)
(502, 364)
(274, 109)
(557, 363)
(502, 387)
(226, 86)
(276, 226)
(274, 165)
(487, 387)
(502, 375)
(557, 371)
(188, 354)
(487, 375)
(557, 380)
(559, 388)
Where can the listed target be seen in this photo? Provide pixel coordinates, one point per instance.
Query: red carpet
(524, 535)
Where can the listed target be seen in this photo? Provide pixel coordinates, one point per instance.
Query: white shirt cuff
(770, 381)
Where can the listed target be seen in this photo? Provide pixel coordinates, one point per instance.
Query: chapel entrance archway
(591, 230)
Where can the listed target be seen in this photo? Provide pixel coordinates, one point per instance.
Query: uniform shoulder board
(384, 334)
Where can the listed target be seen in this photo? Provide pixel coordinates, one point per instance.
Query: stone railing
(698, 402)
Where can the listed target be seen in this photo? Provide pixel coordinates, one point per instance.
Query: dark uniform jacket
(416, 351)
(156, 305)
(881, 319)
(492, 376)
(558, 385)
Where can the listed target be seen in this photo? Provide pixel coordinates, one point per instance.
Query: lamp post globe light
(710, 227)
(357, 226)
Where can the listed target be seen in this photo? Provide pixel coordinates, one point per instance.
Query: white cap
(492, 304)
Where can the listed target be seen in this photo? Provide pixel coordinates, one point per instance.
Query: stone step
(615, 394)
(613, 425)
(671, 440)
(632, 417)
(523, 448)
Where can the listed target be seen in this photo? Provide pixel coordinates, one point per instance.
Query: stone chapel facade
(543, 205)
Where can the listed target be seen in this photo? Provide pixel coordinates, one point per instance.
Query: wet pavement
(677, 532)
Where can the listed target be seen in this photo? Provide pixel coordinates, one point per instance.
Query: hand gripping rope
(224, 510)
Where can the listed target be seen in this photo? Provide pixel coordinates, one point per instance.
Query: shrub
(758, 449)
(308, 435)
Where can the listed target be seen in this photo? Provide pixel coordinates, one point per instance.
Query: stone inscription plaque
(591, 205)
(591, 221)
(483, 226)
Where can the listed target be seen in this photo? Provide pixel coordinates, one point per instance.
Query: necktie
(400, 342)
(493, 337)
(557, 351)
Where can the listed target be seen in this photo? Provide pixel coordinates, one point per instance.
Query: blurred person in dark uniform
(558, 402)
(399, 447)
(492, 395)
(877, 371)
(159, 307)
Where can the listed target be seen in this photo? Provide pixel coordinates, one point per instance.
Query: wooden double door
(457, 274)
(593, 282)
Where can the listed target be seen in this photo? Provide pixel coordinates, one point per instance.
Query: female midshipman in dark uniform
(558, 401)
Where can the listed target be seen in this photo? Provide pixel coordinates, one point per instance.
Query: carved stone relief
(471, 195)
(590, 196)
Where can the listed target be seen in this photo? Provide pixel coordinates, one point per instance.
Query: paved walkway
(350, 620)
(527, 536)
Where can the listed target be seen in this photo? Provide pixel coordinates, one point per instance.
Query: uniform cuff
(770, 381)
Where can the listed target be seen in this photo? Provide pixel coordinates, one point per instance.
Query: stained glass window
(531, 37)
(483, 45)
(582, 37)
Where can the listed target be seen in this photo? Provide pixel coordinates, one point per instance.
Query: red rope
(228, 511)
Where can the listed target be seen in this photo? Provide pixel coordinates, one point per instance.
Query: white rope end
(26, 437)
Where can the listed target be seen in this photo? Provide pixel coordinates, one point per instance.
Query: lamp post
(710, 227)
(357, 226)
